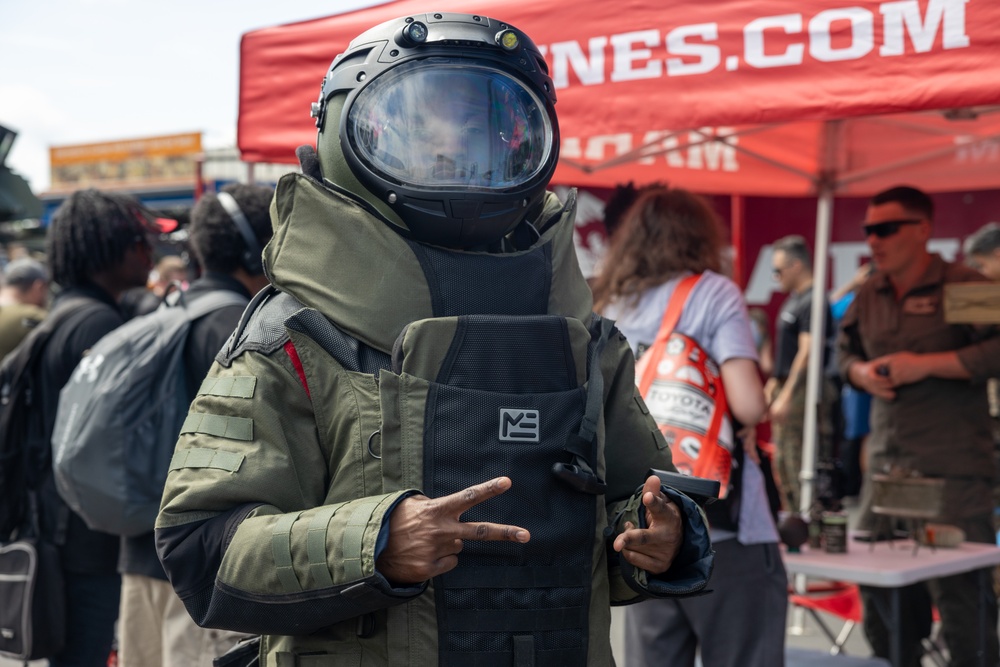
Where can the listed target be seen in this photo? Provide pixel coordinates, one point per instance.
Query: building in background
(166, 173)
(17, 202)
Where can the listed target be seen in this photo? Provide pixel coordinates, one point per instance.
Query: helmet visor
(447, 122)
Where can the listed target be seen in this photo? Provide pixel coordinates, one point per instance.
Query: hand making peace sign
(425, 534)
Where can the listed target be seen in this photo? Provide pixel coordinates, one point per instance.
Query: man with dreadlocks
(98, 246)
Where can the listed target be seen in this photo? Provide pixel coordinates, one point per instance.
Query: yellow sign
(164, 159)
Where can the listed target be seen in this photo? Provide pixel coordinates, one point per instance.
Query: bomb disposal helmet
(446, 121)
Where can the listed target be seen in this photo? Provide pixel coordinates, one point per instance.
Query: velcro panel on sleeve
(354, 534)
(316, 546)
(203, 457)
(281, 551)
(237, 386)
(233, 428)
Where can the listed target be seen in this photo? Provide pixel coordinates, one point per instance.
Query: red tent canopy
(773, 97)
(721, 97)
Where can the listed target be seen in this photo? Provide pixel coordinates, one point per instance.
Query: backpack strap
(19, 367)
(647, 367)
(582, 446)
(25, 357)
(203, 304)
(671, 316)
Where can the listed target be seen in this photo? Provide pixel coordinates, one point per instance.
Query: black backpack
(120, 413)
(25, 454)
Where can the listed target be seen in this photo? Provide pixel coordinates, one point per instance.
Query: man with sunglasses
(929, 412)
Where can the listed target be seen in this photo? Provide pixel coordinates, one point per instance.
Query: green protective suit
(276, 503)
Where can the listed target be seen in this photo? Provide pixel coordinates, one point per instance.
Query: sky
(88, 71)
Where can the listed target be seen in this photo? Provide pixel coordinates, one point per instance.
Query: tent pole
(817, 345)
(814, 371)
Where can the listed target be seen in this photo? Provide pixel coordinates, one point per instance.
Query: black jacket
(84, 550)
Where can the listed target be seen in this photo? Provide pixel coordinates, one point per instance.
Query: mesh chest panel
(463, 283)
(505, 375)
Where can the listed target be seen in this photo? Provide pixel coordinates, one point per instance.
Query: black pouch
(246, 653)
(32, 600)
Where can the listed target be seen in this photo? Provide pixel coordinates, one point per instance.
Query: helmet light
(507, 40)
(412, 34)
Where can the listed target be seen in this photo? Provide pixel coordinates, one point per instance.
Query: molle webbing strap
(581, 474)
(290, 659)
(281, 551)
(316, 546)
(524, 650)
(203, 457)
(354, 533)
(313, 660)
(235, 386)
(566, 656)
(220, 426)
(516, 620)
(595, 391)
(526, 576)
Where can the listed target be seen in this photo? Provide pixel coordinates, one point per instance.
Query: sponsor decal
(691, 447)
(680, 404)
(519, 425)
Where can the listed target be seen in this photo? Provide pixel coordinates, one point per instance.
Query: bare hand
(748, 434)
(780, 409)
(769, 388)
(653, 548)
(873, 377)
(425, 534)
(903, 368)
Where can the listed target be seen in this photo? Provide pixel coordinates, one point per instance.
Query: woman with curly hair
(667, 235)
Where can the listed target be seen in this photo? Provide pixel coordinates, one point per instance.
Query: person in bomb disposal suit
(329, 496)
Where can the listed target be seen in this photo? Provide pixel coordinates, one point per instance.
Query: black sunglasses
(887, 228)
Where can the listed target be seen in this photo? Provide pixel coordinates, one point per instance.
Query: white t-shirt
(716, 316)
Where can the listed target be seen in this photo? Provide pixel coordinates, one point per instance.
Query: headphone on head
(250, 259)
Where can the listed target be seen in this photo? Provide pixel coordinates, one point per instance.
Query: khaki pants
(155, 629)
(788, 438)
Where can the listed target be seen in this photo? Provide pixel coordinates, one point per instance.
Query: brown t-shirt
(937, 426)
(16, 321)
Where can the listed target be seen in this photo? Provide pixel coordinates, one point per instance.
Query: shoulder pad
(268, 318)
(262, 326)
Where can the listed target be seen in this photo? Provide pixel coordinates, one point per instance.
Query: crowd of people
(338, 487)
(100, 245)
